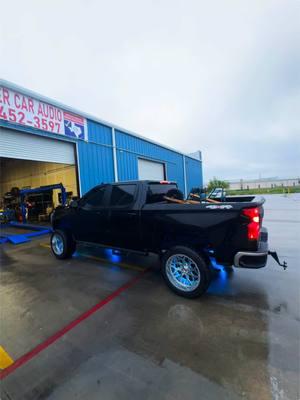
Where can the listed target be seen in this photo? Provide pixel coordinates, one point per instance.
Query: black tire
(200, 262)
(67, 242)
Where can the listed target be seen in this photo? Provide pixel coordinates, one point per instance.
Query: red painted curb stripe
(42, 346)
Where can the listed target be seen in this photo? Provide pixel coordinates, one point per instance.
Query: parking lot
(106, 326)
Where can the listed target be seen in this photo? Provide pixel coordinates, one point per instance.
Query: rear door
(91, 217)
(152, 220)
(124, 229)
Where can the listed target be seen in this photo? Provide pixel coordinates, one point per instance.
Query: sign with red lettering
(24, 110)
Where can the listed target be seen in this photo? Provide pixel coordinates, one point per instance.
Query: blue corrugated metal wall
(130, 148)
(98, 133)
(193, 173)
(95, 165)
(95, 157)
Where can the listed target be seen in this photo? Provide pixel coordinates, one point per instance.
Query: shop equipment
(25, 192)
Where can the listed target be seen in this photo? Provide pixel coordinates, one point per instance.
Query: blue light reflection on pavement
(220, 282)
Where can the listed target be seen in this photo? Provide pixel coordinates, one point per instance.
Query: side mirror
(74, 204)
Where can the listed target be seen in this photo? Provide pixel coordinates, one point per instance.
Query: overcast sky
(219, 76)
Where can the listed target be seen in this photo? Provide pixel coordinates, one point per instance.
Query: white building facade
(263, 183)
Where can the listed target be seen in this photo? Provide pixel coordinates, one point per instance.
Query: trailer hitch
(275, 256)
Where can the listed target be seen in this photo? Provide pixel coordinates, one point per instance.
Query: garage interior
(27, 174)
(44, 166)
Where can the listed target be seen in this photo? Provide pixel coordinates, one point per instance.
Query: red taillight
(254, 223)
(164, 182)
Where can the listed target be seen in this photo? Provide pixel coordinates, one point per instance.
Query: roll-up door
(24, 146)
(151, 170)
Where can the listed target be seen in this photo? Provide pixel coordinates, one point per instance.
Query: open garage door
(29, 162)
(151, 170)
(24, 146)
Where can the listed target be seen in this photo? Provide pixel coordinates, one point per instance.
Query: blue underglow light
(115, 258)
(112, 256)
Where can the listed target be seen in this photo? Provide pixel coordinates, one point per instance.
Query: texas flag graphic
(74, 126)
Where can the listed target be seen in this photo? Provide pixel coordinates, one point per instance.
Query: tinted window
(122, 195)
(156, 192)
(94, 199)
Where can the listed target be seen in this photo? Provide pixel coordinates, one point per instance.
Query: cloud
(222, 77)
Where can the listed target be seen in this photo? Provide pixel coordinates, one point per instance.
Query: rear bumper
(254, 259)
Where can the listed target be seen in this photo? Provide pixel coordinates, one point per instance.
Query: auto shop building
(43, 142)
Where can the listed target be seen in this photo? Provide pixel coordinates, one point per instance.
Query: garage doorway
(33, 162)
(151, 170)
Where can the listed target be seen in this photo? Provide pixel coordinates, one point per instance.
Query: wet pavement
(240, 341)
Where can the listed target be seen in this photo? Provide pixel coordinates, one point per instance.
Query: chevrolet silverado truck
(143, 217)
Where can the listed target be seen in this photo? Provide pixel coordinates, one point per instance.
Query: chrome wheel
(183, 272)
(57, 244)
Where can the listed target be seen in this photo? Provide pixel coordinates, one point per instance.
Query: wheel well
(64, 228)
(200, 251)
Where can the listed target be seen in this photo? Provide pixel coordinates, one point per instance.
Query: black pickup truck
(140, 216)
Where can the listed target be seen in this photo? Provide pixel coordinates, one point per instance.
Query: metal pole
(115, 154)
(184, 173)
